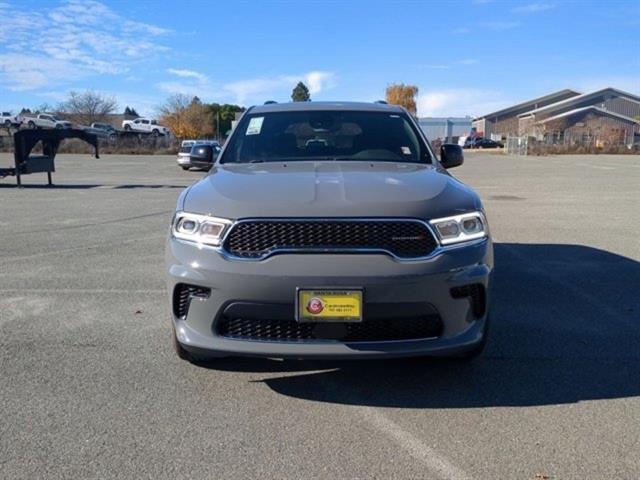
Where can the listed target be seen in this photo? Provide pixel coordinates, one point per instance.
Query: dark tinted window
(326, 135)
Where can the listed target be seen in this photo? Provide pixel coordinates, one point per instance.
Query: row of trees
(189, 117)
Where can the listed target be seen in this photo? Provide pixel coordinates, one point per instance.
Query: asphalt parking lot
(90, 387)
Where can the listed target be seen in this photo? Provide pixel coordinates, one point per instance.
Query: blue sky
(467, 57)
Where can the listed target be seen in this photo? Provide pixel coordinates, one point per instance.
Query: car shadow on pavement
(565, 328)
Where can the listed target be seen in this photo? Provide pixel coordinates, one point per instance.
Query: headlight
(460, 228)
(201, 229)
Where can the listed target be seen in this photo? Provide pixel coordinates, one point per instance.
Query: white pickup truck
(145, 125)
(8, 120)
(46, 120)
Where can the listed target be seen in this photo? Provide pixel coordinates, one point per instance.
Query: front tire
(7, 123)
(32, 125)
(127, 128)
(185, 168)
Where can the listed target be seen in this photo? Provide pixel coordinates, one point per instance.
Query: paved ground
(90, 388)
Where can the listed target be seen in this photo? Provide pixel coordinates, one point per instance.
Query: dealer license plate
(329, 305)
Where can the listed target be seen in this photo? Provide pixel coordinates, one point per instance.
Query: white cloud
(533, 8)
(190, 83)
(460, 30)
(317, 81)
(184, 73)
(77, 39)
(468, 61)
(267, 88)
(458, 102)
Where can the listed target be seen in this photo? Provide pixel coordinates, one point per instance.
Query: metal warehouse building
(608, 115)
(445, 129)
(505, 122)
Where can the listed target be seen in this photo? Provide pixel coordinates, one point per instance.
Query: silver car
(329, 230)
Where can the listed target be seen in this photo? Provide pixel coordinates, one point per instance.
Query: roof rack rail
(383, 102)
(270, 102)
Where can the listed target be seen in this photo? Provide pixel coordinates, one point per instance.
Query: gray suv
(329, 230)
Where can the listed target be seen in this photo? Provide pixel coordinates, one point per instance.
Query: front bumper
(184, 160)
(384, 280)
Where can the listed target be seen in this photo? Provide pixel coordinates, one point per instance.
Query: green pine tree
(300, 93)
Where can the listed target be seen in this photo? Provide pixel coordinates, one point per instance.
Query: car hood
(329, 189)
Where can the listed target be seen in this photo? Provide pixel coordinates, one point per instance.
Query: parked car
(357, 245)
(482, 142)
(184, 154)
(145, 125)
(102, 130)
(46, 120)
(8, 120)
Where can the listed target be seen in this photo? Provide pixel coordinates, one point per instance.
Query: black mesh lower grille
(259, 238)
(476, 295)
(182, 295)
(368, 331)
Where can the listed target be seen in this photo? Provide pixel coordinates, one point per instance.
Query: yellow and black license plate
(339, 305)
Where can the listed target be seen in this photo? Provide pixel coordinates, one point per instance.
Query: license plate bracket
(329, 305)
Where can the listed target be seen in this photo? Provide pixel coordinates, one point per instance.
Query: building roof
(590, 107)
(530, 103)
(444, 119)
(580, 98)
(319, 106)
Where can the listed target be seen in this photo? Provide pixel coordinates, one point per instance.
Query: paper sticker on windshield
(255, 126)
(406, 150)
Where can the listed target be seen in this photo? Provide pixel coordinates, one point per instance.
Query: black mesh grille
(255, 239)
(182, 295)
(475, 294)
(368, 331)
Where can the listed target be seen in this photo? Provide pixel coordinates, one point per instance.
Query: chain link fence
(516, 146)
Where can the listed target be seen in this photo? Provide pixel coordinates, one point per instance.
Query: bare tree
(404, 95)
(88, 107)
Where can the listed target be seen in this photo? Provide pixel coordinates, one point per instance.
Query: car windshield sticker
(255, 125)
(406, 150)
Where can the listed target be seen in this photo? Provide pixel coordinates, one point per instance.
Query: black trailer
(26, 140)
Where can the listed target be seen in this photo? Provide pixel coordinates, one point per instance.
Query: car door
(47, 121)
(145, 125)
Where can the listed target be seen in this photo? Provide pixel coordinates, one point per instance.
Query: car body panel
(330, 189)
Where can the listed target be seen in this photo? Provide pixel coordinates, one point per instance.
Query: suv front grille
(259, 238)
(379, 330)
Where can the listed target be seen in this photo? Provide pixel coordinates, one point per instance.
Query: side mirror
(203, 154)
(451, 155)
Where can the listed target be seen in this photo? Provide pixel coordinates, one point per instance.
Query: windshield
(326, 135)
